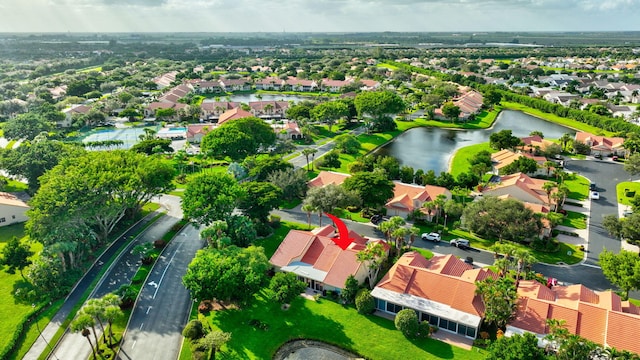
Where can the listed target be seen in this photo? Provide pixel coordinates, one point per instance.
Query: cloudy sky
(316, 15)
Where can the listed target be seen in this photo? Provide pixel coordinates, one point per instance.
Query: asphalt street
(155, 327)
(74, 345)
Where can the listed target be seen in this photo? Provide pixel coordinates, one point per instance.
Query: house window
(3, 220)
(443, 323)
(380, 304)
(433, 320)
(471, 332)
(452, 326)
(462, 330)
(393, 308)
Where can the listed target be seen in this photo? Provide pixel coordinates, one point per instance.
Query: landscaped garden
(259, 329)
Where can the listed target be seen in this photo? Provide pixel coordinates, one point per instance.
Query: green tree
(210, 197)
(260, 167)
(214, 340)
(227, 141)
(373, 187)
(26, 126)
(151, 147)
(406, 322)
(193, 330)
(503, 140)
(499, 297)
(622, 269)
(309, 152)
(329, 112)
(372, 257)
(565, 139)
(406, 174)
(350, 290)
(326, 199)
(347, 144)
(375, 106)
(613, 225)
(331, 160)
(508, 219)
(293, 183)
(81, 324)
(632, 165)
(15, 256)
(286, 287)
(516, 347)
(450, 111)
(365, 303)
(229, 274)
(491, 98)
(260, 199)
(522, 164)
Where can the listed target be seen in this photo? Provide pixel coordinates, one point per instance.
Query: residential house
(269, 109)
(504, 158)
(333, 86)
(369, 85)
(211, 110)
(241, 84)
(538, 209)
(598, 316)
(441, 290)
(318, 260)
(470, 103)
(150, 110)
(325, 178)
(288, 130)
(195, 132)
(521, 187)
(206, 87)
(269, 83)
(71, 112)
(165, 80)
(409, 197)
(533, 144)
(233, 114)
(13, 208)
(296, 84)
(602, 145)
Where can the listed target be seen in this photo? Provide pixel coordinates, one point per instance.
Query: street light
(445, 221)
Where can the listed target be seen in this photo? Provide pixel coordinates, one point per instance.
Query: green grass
(460, 160)
(424, 252)
(578, 187)
(635, 302)
(290, 204)
(387, 66)
(367, 335)
(10, 144)
(620, 191)
(483, 120)
(555, 119)
(15, 186)
(575, 220)
(33, 330)
(271, 243)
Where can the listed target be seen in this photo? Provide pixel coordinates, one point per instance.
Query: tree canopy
(26, 126)
(622, 269)
(238, 139)
(260, 199)
(516, 347)
(210, 197)
(373, 187)
(228, 274)
(508, 219)
(503, 140)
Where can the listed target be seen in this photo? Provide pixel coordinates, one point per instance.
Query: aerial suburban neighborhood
(374, 195)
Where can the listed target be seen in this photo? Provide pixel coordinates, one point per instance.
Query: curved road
(74, 345)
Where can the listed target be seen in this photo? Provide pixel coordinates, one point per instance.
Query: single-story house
(441, 290)
(211, 110)
(602, 145)
(269, 109)
(13, 208)
(318, 260)
(241, 84)
(521, 187)
(288, 130)
(410, 197)
(195, 132)
(505, 157)
(325, 178)
(70, 112)
(233, 114)
(599, 316)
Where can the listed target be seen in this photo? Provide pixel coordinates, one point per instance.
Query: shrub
(159, 244)
(193, 330)
(274, 221)
(348, 294)
(205, 306)
(365, 302)
(407, 322)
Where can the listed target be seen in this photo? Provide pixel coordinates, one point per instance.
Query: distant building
(13, 209)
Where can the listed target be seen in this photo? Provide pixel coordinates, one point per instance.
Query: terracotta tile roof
(414, 275)
(529, 185)
(592, 324)
(600, 142)
(571, 295)
(405, 195)
(233, 114)
(620, 331)
(325, 178)
(531, 314)
(193, 129)
(316, 248)
(224, 105)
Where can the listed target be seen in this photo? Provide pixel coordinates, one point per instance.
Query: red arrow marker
(343, 240)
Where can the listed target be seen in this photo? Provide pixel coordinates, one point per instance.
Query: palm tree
(548, 165)
(82, 323)
(389, 226)
(560, 196)
(309, 151)
(413, 232)
(439, 203)
(399, 234)
(95, 309)
(564, 140)
(430, 206)
(523, 258)
(309, 209)
(548, 188)
(559, 174)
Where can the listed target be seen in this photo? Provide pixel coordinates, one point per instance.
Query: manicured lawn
(460, 161)
(369, 336)
(575, 220)
(271, 243)
(626, 185)
(555, 118)
(33, 331)
(483, 120)
(15, 186)
(578, 187)
(290, 204)
(13, 313)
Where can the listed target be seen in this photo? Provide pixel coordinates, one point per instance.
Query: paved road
(606, 174)
(75, 346)
(155, 327)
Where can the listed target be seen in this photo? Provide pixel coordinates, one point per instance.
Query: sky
(317, 15)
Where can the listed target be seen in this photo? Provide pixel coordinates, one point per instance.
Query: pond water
(432, 148)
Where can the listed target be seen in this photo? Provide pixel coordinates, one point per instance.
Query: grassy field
(460, 161)
(322, 320)
(483, 120)
(578, 187)
(575, 220)
(555, 119)
(620, 191)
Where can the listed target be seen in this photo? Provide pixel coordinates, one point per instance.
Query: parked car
(460, 243)
(594, 195)
(598, 156)
(627, 213)
(376, 219)
(614, 158)
(469, 260)
(593, 187)
(431, 237)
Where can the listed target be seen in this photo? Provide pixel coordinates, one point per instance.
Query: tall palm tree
(564, 140)
(438, 202)
(309, 209)
(399, 235)
(82, 323)
(548, 165)
(413, 232)
(430, 207)
(309, 152)
(548, 188)
(523, 258)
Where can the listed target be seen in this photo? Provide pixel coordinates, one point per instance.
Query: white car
(594, 195)
(431, 237)
(460, 243)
